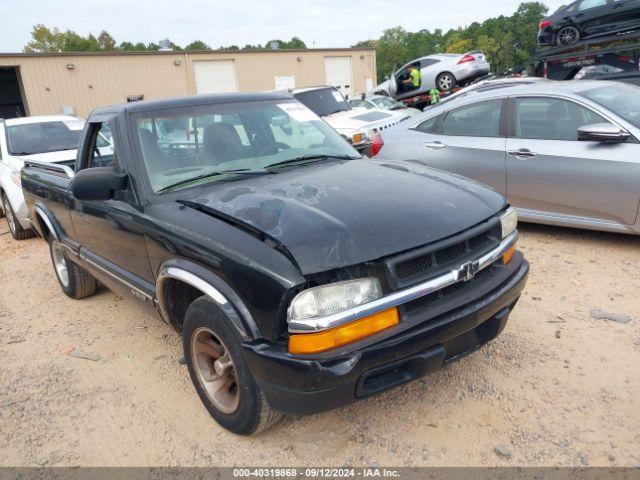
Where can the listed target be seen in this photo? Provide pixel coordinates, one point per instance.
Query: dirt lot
(556, 388)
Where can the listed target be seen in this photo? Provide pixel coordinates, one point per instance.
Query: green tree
(106, 41)
(197, 45)
(392, 51)
(294, 43)
(44, 40)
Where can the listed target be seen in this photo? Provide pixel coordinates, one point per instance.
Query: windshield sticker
(337, 96)
(74, 124)
(298, 112)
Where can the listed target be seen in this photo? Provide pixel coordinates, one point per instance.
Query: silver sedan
(563, 153)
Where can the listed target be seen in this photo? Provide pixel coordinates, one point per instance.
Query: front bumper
(306, 384)
(16, 199)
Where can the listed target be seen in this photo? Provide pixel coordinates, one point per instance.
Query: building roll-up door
(337, 71)
(215, 76)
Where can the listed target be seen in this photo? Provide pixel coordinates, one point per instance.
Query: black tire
(445, 82)
(78, 283)
(568, 35)
(252, 413)
(16, 230)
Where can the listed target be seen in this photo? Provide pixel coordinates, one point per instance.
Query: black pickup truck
(301, 275)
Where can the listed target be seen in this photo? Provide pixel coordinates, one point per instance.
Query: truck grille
(441, 295)
(431, 261)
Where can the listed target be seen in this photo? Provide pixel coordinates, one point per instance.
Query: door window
(102, 153)
(429, 126)
(480, 119)
(427, 62)
(552, 118)
(587, 4)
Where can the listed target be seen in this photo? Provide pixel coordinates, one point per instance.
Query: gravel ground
(97, 382)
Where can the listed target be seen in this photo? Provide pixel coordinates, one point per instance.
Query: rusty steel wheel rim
(215, 370)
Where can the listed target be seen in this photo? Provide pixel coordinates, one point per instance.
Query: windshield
(623, 100)
(186, 147)
(323, 101)
(384, 102)
(43, 137)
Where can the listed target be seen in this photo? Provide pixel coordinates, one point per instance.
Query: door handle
(522, 153)
(435, 145)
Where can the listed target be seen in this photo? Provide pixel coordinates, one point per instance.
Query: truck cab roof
(193, 100)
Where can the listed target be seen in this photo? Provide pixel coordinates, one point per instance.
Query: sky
(320, 23)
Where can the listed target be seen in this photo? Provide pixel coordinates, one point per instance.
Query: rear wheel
(219, 372)
(567, 35)
(445, 82)
(15, 228)
(74, 280)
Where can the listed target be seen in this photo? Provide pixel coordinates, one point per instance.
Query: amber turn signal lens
(347, 333)
(508, 255)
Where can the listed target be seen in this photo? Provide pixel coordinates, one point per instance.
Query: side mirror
(602, 132)
(98, 183)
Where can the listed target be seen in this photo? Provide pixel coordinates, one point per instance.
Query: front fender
(211, 285)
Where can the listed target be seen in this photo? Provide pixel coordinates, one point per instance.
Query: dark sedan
(588, 18)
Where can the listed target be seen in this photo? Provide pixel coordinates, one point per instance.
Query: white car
(43, 138)
(358, 125)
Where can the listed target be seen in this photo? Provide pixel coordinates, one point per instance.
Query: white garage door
(337, 72)
(215, 76)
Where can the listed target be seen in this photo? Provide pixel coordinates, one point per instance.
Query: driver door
(110, 231)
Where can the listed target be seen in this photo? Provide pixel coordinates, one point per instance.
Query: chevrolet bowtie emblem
(467, 271)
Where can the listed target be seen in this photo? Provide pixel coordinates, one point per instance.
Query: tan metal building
(50, 83)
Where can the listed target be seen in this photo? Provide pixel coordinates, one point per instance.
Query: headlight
(15, 176)
(333, 298)
(509, 222)
(358, 138)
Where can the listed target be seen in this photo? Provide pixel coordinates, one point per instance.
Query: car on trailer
(585, 19)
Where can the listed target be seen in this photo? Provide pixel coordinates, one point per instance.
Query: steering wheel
(269, 148)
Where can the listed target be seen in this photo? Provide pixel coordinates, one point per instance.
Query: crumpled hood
(362, 118)
(335, 214)
(61, 156)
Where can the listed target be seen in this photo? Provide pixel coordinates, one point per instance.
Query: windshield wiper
(243, 171)
(304, 158)
(335, 111)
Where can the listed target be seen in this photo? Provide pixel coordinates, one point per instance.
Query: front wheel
(445, 82)
(74, 280)
(219, 372)
(567, 36)
(17, 232)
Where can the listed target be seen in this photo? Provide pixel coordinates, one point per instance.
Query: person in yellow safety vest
(413, 81)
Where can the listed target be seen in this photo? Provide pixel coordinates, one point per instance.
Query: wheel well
(43, 227)
(178, 296)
